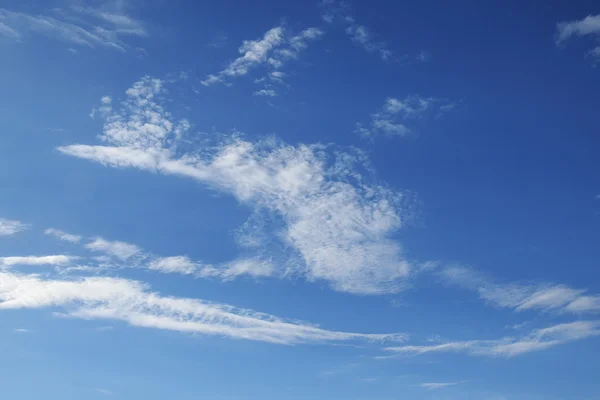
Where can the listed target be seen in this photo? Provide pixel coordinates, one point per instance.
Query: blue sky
(316, 200)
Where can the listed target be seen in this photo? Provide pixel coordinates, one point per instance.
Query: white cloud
(437, 385)
(589, 25)
(246, 266)
(64, 236)
(545, 297)
(539, 339)
(9, 227)
(81, 26)
(21, 330)
(133, 303)
(391, 119)
(121, 250)
(338, 11)
(57, 260)
(266, 92)
(176, 264)
(273, 51)
(104, 391)
(362, 36)
(337, 222)
(254, 52)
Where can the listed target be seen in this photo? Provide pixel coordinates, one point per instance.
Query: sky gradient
(265, 200)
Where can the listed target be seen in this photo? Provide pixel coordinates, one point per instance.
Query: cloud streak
(133, 303)
(539, 339)
(87, 27)
(519, 297)
(64, 236)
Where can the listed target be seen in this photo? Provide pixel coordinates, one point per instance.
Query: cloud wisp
(588, 26)
(337, 222)
(536, 340)
(79, 26)
(273, 51)
(519, 297)
(392, 119)
(437, 385)
(64, 236)
(10, 227)
(133, 303)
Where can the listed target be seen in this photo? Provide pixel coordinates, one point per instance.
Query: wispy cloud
(520, 297)
(338, 11)
(21, 330)
(10, 227)
(253, 53)
(391, 119)
(132, 302)
(121, 250)
(266, 92)
(437, 385)
(336, 221)
(104, 392)
(175, 264)
(57, 260)
(64, 236)
(588, 26)
(539, 339)
(273, 51)
(82, 26)
(362, 36)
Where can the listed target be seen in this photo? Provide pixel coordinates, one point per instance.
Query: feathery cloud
(391, 119)
(64, 236)
(133, 303)
(9, 227)
(121, 250)
(337, 222)
(588, 26)
(273, 51)
(437, 385)
(539, 339)
(82, 26)
(253, 53)
(545, 297)
(58, 260)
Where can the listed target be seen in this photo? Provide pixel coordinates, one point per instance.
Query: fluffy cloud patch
(339, 224)
(10, 227)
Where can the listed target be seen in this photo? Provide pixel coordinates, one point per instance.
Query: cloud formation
(64, 236)
(273, 51)
(539, 339)
(55, 260)
(81, 26)
(519, 297)
(588, 26)
(437, 385)
(391, 119)
(338, 223)
(10, 227)
(133, 303)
